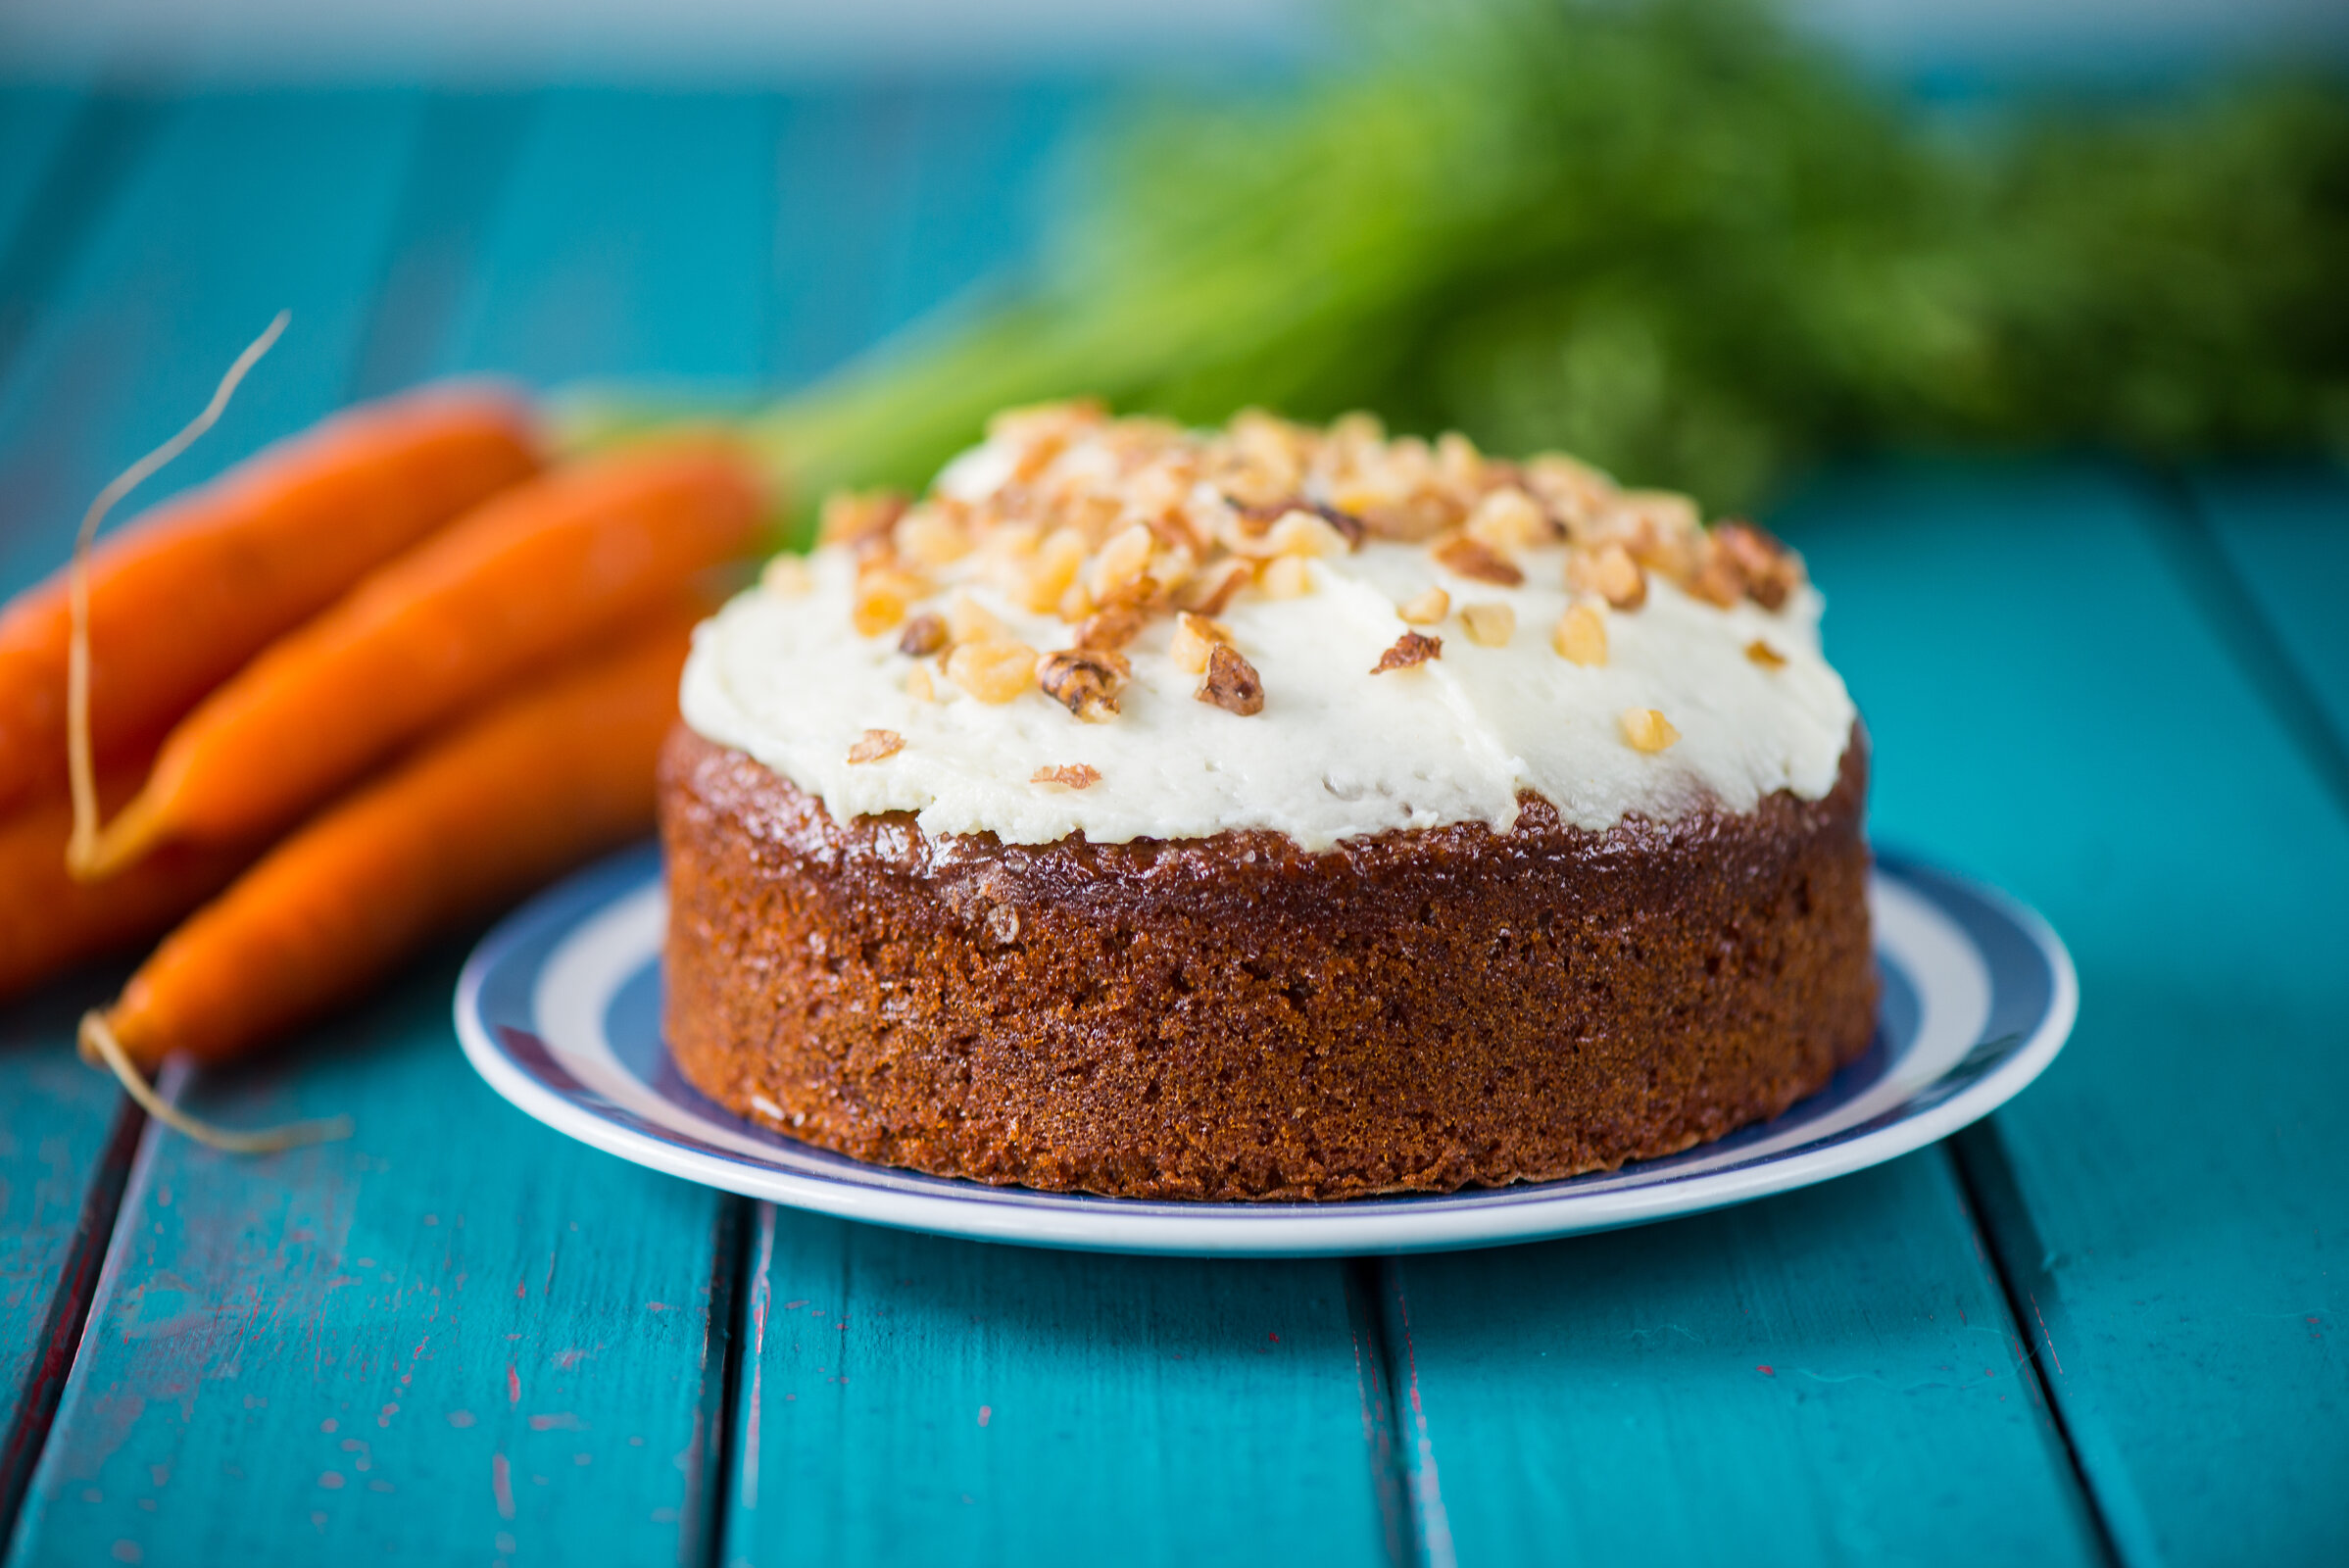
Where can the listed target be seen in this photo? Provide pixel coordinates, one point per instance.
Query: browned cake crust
(1235, 1018)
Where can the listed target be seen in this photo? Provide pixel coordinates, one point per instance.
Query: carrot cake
(1265, 812)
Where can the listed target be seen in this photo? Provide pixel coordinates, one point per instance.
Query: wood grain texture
(519, 1344)
(1827, 1376)
(2283, 531)
(910, 1399)
(2054, 711)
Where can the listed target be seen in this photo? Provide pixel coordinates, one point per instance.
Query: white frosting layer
(1335, 752)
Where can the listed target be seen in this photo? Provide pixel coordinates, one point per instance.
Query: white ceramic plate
(560, 1010)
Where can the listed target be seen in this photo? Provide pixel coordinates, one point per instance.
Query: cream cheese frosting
(784, 673)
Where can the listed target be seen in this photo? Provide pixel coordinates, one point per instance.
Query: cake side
(1234, 1018)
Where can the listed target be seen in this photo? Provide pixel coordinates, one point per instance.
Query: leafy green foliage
(1675, 238)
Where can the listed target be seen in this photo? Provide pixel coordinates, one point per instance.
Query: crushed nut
(1410, 648)
(1610, 572)
(1044, 578)
(924, 636)
(1305, 533)
(1473, 557)
(787, 574)
(1762, 653)
(1211, 589)
(1771, 571)
(1232, 683)
(877, 744)
(881, 598)
(1111, 628)
(857, 519)
(927, 538)
(1488, 625)
(1287, 577)
(1580, 636)
(1083, 680)
(919, 685)
(1194, 638)
(1646, 730)
(968, 622)
(1424, 609)
(993, 671)
(1507, 520)
(1122, 559)
(1068, 776)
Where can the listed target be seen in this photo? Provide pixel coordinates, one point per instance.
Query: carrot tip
(100, 1048)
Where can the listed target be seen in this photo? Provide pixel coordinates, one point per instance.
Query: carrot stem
(82, 770)
(99, 1044)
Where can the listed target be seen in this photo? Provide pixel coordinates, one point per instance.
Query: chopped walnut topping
(1473, 557)
(787, 574)
(1068, 775)
(1232, 683)
(1425, 609)
(1196, 636)
(920, 685)
(851, 519)
(1762, 653)
(877, 744)
(1580, 636)
(1083, 680)
(1410, 648)
(1287, 577)
(1646, 730)
(969, 622)
(881, 598)
(1769, 570)
(993, 671)
(924, 636)
(929, 537)
(1211, 589)
(1111, 627)
(1507, 520)
(1488, 625)
(1610, 572)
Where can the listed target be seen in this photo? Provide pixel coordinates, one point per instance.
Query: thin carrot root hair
(82, 770)
(99, 1044)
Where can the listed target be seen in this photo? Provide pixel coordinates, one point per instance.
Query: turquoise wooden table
(2100, 1326)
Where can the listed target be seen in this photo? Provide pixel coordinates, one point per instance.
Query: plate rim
(1343, 1229)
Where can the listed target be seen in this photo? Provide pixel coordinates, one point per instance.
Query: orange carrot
(182, 596)
(533, 785)
(49, 921)
(540, 573)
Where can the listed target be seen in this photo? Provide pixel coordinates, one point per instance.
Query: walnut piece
(1646, 730)
(1769, 570)
(881, 597)
(877, 744)
(1195, 638)
(859, 518)
(1211, 589)
(1410, 648)
(1580, 636)
(1287, 577)
(1610, 572)
(1083, 680)
(924, 636)
(1111, 627)
(787, 575)
(994, 672)
(1232, 683)
(1424, 609)
(1473, 557)
(1068, 775)
(1762, 653)
(1488, 625)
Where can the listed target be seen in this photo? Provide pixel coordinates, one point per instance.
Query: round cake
(1265, 812)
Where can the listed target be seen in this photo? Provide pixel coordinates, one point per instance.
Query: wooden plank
(911, 1399)
(2054, 710)
(118, 315)
(1831, 1374)
(2283, 532)
(458, 1334)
